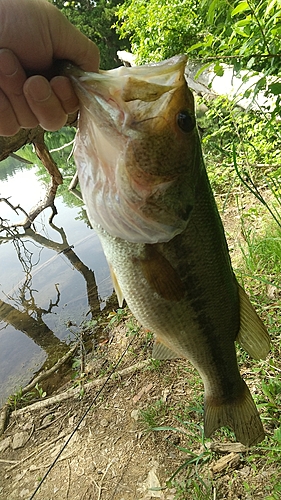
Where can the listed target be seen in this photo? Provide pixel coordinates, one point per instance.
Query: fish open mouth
(133, 159)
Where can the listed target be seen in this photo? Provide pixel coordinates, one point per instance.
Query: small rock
(165, 394)
(5, 444)
(19, 439)
(104, 422)
(153, 485)
(28, 425)
(135, 414)
(24, 493)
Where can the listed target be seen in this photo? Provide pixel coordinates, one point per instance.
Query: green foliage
(95, 20)
(22, 398)
(41, 393)
(158, 29)
(246, 34)
(116, 317)
(262, 256)
(153, 415)
(248, 31)
(19, 398)
(255, 139)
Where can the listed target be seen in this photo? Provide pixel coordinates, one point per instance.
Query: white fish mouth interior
(109, 207)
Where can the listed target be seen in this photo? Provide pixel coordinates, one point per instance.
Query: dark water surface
(50, 278)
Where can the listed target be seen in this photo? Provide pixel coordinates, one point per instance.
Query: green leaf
(200, 71)
(195, 46)
(241, 7)
(211, 11)
(275, 88)
(270, 7)
(218, 69)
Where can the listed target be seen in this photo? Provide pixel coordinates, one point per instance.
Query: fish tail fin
(253, 335)
(241, 415)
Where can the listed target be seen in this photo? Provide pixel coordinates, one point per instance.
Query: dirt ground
(112, 455)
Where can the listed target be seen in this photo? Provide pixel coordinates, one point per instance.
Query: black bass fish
(148, 197)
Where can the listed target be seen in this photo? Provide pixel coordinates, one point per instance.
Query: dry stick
(99, 487)
(42, 448)
(68, 481)
(4, 417)
(45, 426)
(2, 461)
(70, 393)
(6, 410)
(47, 373)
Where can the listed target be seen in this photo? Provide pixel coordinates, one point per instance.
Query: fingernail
(8, 63)
(38, 88)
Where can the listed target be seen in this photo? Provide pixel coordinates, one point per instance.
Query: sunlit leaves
(246, 32)
(159, 29)
(95, 20)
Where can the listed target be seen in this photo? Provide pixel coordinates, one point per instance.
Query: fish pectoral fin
(117, 288)
(241, 415)
(161, 276)
(161, 351)
(253, 335)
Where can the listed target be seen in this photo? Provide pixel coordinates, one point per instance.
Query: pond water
(50, 278)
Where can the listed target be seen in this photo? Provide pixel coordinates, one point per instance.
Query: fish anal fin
(161, 351)
(241, 415)
(161, 275)
(117, 288)
(253, 335)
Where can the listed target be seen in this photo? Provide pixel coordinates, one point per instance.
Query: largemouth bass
(148, 197)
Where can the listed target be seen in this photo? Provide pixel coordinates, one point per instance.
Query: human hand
(34, 34)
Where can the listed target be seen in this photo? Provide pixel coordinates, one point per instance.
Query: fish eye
(185, 121)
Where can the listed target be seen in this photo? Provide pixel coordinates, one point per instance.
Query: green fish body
(148, 197)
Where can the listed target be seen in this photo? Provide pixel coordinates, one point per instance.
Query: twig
(2, 461)
(18, 207)
(6, 410)
(69, 477)
(62, 147)
(99, 487)
(45, 426)
(44, 447)
(4, 417)
(73, 182)
(47, 373)
(70, 393)
(20, 158)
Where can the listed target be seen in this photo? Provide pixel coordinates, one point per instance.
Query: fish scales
(147, 194)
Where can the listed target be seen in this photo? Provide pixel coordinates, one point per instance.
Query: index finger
(12, 78)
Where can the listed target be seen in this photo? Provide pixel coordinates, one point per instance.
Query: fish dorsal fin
(117, 288)
(253, 335)
(160, 351)
(161, 275)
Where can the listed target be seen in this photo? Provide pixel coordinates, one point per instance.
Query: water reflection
(50, 276)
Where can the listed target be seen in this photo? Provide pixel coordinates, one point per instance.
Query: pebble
(19, 439)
